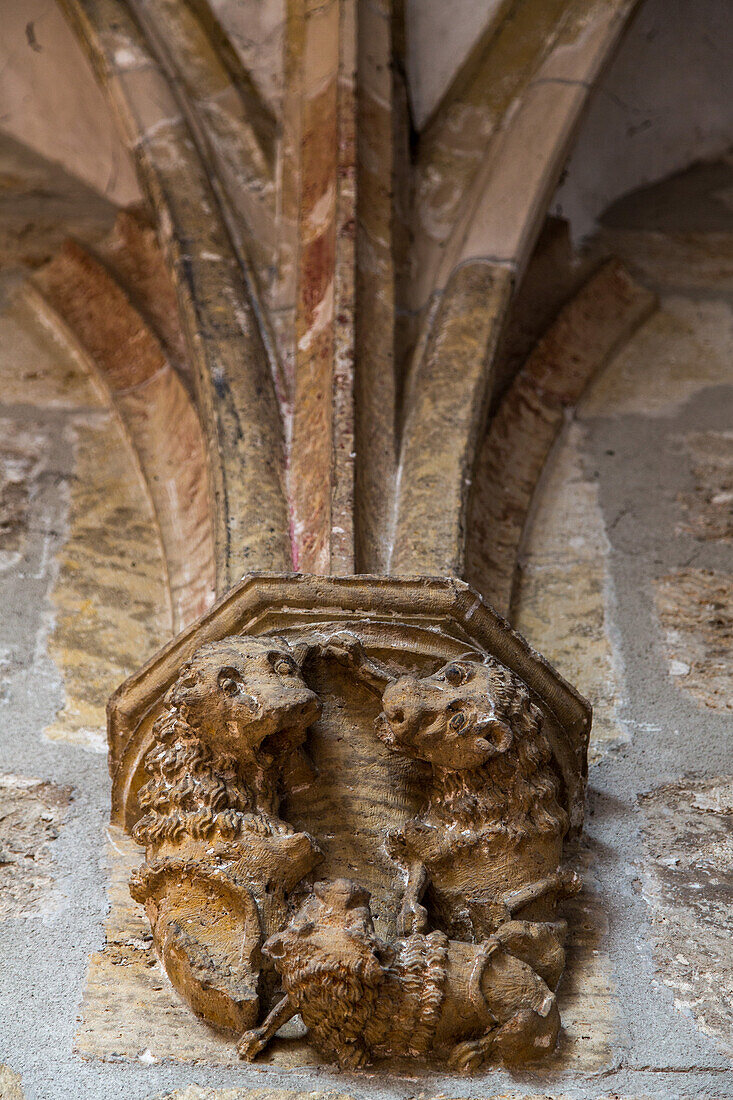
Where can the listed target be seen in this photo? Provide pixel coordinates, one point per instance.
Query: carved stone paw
(344, 648)
(413, 917)
(251, 1043)
(353, 1057)
(470, 1056)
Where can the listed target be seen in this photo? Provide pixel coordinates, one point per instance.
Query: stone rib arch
(224, 340)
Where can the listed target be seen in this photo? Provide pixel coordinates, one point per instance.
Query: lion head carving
(333, 965)
(219, 861)
(474, 720)
(458, 718)
(237, 709)
(333, 925)
(362, 998)
(236, 692)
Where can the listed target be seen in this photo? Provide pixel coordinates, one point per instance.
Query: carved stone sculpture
(220, 863)
(492, 812)
(397, 741)
(363, 998)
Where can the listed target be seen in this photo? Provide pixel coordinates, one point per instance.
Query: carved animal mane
(190, 794)
(337, 1001)
(519, 787)
(356, 1004)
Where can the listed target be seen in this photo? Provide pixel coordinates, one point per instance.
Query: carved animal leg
(486, 916)
(529, 1034)
(537, 943)
(469, 1057)
(521, 1002)
(346, 648)
(563, 883)
(254, 1041)
(413, 916)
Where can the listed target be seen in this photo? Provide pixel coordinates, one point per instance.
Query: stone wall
(607, 546)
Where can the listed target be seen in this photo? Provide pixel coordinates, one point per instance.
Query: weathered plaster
(664, 102)
(695, 608)
(688, 883)
(563, 599)
(110, 599)
(456, 27)
(31, 814)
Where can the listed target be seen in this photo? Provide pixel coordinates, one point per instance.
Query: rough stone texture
(555, 273)
(522, 166)
(458, 138)
(20, 454)
(652, 375)
(587, 994)
(688, 886)
(656, 1049)
(65, 460)
(31, 813)
(635, 475)
(312, 454)
(678, 259)
(707, 508)
(43, 374)
(10, 1084)
(195, 1092)
(321, 53)
(563, 588)
(228, 347)
(113, 534)
(111, 599)
(485, 168)
(128, 361)
(445, 400)
(331, 808)
(132, 254)
(680, 351)
(130, 1009)
(696, 613)
(382, 184)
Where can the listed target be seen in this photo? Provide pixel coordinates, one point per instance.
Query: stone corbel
(354, 796)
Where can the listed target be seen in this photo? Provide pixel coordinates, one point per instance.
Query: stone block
(688, 885)
(695, 608)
